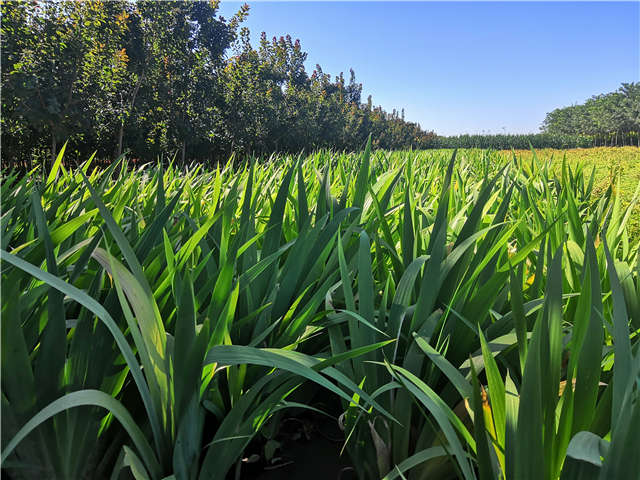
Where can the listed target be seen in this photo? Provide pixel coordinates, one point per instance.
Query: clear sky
(464, 67)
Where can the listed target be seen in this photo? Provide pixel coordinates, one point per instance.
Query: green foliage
(607, 119)
(521, 142)
(171, 76)
(56, 57)
(473, 317)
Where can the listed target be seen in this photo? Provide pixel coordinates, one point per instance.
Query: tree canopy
(609, 119)
(174, 76)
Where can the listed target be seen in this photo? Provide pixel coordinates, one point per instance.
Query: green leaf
(362, 179)
(99, 399)
(92, 305)
(53, 174)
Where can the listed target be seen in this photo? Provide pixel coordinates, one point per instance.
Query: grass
(457, 305)
(611, 164)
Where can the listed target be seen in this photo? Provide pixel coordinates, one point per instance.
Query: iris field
(469, 314)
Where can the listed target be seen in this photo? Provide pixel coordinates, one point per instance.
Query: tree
(55, 57)
(609, 118)
(154, 77)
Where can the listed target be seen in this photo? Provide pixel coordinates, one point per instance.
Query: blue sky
(459, 67)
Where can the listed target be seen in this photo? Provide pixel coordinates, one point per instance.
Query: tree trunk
(120, 135)
(184, 150)
(131, 104)
(53, 148)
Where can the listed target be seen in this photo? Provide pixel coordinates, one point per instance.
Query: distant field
(608, 162)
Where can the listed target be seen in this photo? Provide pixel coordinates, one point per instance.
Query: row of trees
(608, 119)
(517, 141)
(174, 76)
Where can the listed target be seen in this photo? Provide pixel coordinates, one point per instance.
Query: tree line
(607, 119)
(176, 78)
(171, 77)
(517, 141)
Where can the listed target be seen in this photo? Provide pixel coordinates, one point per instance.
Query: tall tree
(55, 60)
(611, 118)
